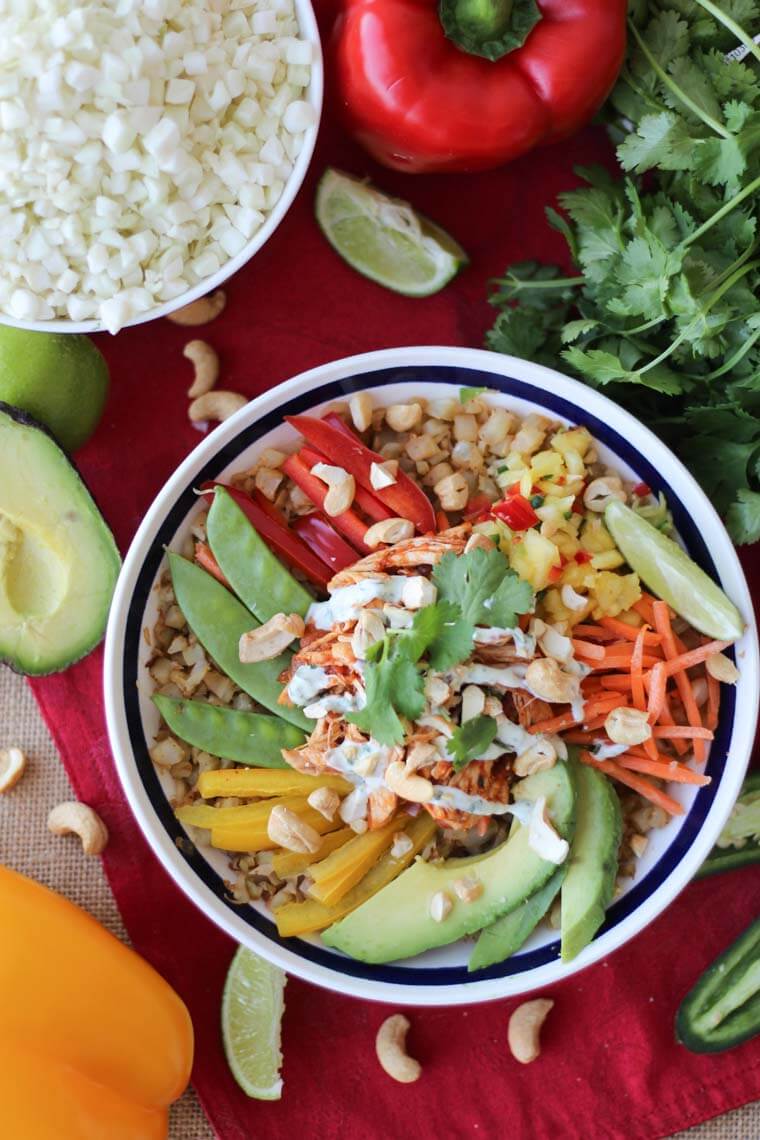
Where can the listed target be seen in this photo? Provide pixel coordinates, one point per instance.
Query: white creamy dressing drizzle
(542, 837)
(345, 703)
(498, 677)
(604, 751)
(346, 603)
(308, 682)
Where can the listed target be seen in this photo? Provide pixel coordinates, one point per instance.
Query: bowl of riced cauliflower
(148, 149)
(431, 676)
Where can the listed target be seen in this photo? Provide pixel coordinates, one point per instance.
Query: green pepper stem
(488, 28)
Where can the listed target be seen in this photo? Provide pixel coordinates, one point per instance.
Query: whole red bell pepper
(469, 84)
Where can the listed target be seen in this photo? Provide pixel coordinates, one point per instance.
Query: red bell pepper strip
(319, 534)
(478, 508)
(205, 558)
(277, 534)
(430, 85)
(366, 503)
(348, 524)
(516, 512)
(404, 498)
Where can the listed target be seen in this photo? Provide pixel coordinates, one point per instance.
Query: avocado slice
(58, 559)
(593, 863)
(396, 922)
(505, 936)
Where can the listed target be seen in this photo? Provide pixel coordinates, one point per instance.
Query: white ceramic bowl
(437, 977)
(313, 95)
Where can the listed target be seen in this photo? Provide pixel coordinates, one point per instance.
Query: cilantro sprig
(471, 739)
(664, 312)
(473, 588)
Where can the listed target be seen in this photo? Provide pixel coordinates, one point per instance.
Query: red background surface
(610, 1068)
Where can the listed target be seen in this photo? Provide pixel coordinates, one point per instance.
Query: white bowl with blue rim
(438, 977)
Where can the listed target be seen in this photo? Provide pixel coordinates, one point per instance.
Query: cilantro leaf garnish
(663, 310)
(471, 739)
(393, 685)
(484, 588)
(467, 394)
(439, 632)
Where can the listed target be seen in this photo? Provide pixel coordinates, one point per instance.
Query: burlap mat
(26, 845)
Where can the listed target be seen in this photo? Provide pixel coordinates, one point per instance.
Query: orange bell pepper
(93, 1042)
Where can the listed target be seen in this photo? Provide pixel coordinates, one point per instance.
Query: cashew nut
(360, 407)
(217, 405)
(453, 491)
(403, 417)
(440, 906)
(382, 475)
(288, 830)
(200, 312)
(324, 800)
(627, 726)
(390, 1046)
(601, 491)
(388, 530)
(540, 756)
(722, 668)
(468, 888)
(478, 542)
(545, 680)
(74, 818)
(342, 488)
(12, 767)
(206, 364)
(525, 1029)
(270, 639)
(415, 789)
(369, 629)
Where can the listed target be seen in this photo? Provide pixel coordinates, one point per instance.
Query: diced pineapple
(595, 537)
(579, 575)
(608, 560)
(614, 593)
(572, 439)
(533, 558)
(546, 463)
(574, 463)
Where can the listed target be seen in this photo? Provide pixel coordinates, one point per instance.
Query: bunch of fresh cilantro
(477, 588)
(665, 314)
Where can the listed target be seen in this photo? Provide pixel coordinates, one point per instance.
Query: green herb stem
(738, 356)
(517, 285)
(679, 93)
(747, 192)
(727, 22)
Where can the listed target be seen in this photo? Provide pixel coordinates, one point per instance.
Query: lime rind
(384, 238)
(672, 575)
(252, 1007)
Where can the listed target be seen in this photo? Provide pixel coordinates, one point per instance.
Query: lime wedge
(252, 1008)
(669, 572)
(384, 238)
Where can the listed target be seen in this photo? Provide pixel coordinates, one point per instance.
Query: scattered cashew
(342, 488)
(12, 767)
(324, 800)
(403, 417)
(478, 542)
(73, 818)
(217, 405)
(525, 1028)
(390, 1045)
(270, 639)
(288, 830)
(369, 629)
(545, 680)
(601, 491)
(200, 312)
(360, 407)
(382, 475)
(415, 789)
(440, 906)
(453, 491)
(722, 668)
(206, 364)
(628, 726)
(388, 530)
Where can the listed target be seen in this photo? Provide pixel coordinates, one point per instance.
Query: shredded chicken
(423, 550)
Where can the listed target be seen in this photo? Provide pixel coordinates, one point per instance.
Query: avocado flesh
(58, 559)
(396, 922)
(504, 937)
(592, 867)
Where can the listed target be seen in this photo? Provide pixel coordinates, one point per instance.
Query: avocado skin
(67, 651)
(593, 862)
(396, 922)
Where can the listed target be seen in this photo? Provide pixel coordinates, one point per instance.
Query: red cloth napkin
(610, 1068)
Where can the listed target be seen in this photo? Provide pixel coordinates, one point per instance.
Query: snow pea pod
(255, 574)
(219, 620)
(245, 737)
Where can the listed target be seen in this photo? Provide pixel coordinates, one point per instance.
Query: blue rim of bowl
(410, 975)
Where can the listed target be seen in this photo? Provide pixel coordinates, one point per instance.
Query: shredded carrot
(694, 657)
(629, 632)
(580, 736)
(620, 682)
(681, 731)
(637, 671)
(661, 617)
(617, 657)
(643, 607)
(567, 720)
(666, 717)
(663, 770)
(713, 701)
(632, 780)
(588, 649)
(657, 691)
(595, 632)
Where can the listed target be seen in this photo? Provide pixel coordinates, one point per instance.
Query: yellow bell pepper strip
(266, 782)
(294, 919)
(294, 863)
(339, 872)
(253, 836)
(241, 817)
(93, 1042)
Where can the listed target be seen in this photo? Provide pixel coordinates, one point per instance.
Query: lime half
(669, 572)
(384, 238)
(252, 1008)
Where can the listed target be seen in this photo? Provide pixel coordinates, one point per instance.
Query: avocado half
(58, 559)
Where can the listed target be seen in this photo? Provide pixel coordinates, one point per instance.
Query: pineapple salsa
(434, 650)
